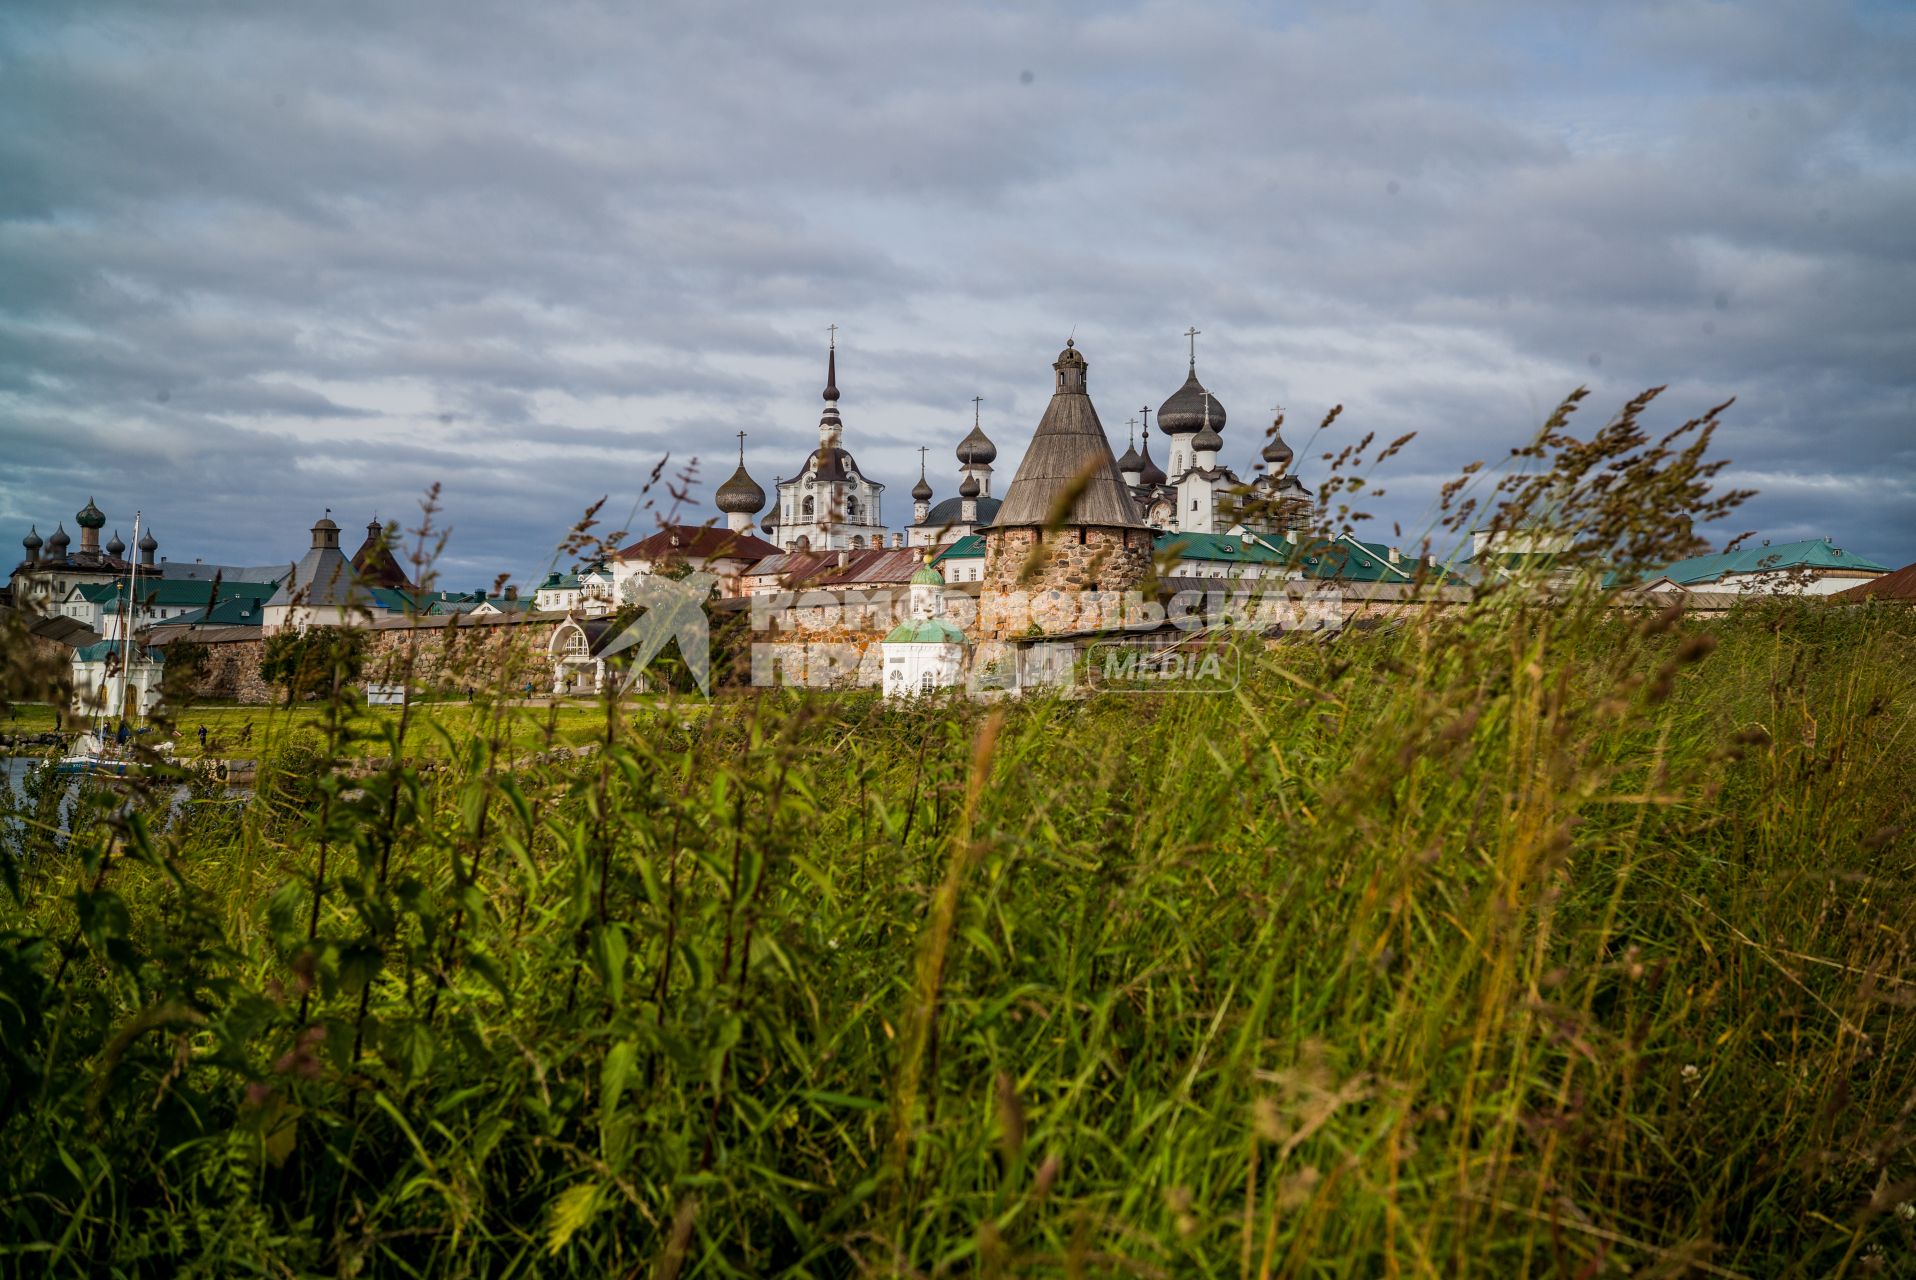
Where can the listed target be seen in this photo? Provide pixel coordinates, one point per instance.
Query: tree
(180, 677)
(313, 662)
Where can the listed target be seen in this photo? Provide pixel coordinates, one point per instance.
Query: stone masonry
(1058, 581)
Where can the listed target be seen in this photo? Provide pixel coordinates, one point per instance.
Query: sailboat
(95, 751)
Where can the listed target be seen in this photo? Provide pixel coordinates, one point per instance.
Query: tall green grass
(1530, 941)
(1534, 937)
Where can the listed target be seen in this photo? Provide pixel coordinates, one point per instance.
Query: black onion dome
(1183, 413)
(977, 449)
(1276, 452)
(952, 511)
(33, 541)
(90, 516)
(114, 546)
(150, 543)
(921, 492)
(60, 541)
(1131, 461)
(771, 521)
(1152, 472)
(970, 487)
(740, 494)
(1207, 438)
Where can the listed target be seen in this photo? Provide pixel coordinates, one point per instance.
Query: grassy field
(1524, 943)
(248, 732)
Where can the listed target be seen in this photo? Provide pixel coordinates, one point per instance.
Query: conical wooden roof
(375, 564)
(1069, 450)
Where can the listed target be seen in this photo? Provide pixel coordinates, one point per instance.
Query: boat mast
(126, 619)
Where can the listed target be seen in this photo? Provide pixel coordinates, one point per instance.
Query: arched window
(858, 542)
(575, 645)
(926, 683)
(808, 506)
(851, 508)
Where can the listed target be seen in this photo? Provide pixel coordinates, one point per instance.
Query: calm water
(13, 769)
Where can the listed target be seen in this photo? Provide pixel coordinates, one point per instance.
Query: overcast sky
(256, 264)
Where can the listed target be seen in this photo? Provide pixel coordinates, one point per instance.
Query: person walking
(202, 739)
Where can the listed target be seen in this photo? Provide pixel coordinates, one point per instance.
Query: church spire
(831, 368)
(830, 425)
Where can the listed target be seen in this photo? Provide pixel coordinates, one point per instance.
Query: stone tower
(1068, 540)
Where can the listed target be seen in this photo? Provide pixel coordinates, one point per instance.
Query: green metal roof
(925, 631)
(243, 611)
(1350, 559)
(1811, 553)
(1225, 548)
(969, 547)
(174, 592)
(101, 650)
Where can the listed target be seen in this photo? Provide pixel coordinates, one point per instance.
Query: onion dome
(33, 541)
(927, 576)
(57, 545)
(921, 492)
(1276, 452)
(149, 543)
(1131, 461)
(970, 488)
(976, 449)
(1183, 413)
(114, 546)
(1152, 473)
(1207, 441)
(90, 516)
(741, 494)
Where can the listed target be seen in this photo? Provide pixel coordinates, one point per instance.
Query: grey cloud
(527, 251)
